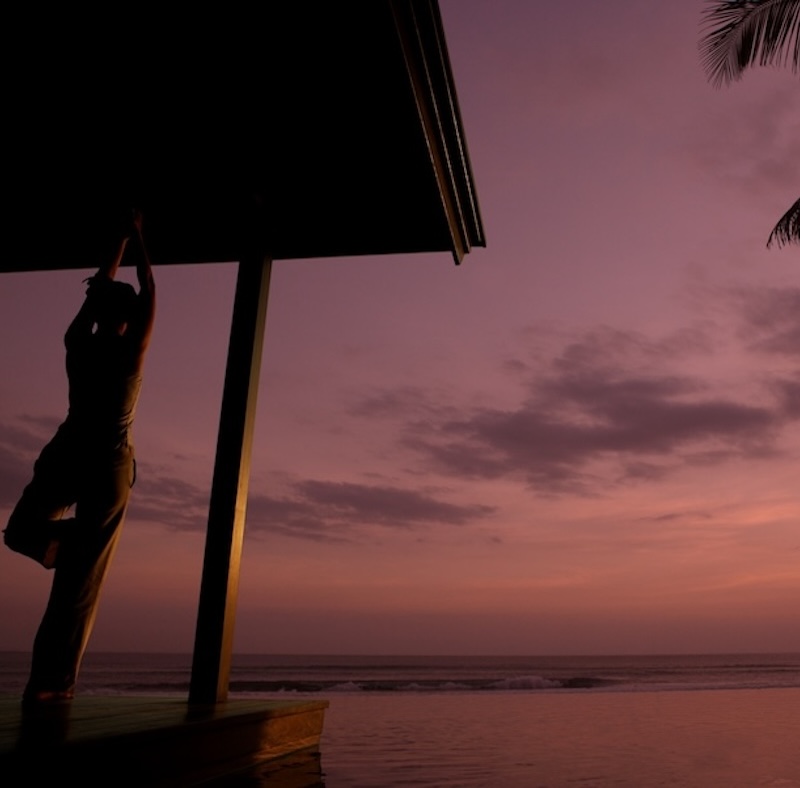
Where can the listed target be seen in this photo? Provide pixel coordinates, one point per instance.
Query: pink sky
(586, 439)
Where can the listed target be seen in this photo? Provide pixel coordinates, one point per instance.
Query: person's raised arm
(146, 308)
(83, 323)
(109, 268)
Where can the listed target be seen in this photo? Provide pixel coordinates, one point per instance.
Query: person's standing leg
(82, 563)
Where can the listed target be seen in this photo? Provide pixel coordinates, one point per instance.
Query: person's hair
(116, 302)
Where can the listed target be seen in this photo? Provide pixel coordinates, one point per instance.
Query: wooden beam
(227, 508)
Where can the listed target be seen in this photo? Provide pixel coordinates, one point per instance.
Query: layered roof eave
(267, 131)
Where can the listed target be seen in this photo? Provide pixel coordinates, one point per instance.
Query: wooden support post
(219, 586)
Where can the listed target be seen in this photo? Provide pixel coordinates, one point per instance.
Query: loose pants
(97, 480)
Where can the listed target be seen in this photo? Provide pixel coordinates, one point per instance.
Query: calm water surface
(697, 739)
(718, 721)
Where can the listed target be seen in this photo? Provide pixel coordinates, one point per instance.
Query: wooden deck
(159, 742)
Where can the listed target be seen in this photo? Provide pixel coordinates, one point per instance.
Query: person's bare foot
(38, 547)
(47, 697)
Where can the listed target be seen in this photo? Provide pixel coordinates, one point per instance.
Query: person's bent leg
(35, 526)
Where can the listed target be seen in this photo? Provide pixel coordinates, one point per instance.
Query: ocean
(688, 721)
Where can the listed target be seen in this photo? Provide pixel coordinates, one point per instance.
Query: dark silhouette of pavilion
(289, 130)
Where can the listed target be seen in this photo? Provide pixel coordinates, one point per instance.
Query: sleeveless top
(103, 390)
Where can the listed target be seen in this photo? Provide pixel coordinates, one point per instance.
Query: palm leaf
(744, 33)
(787, 230)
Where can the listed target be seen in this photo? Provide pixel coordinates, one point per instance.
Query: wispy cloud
(319, 510)
(769, 319)
(757, 152)
(607, 407)
(13, 476)
(162, 497)
(338, 511)
(21, 439)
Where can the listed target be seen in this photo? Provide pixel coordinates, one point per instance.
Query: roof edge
(422, 40)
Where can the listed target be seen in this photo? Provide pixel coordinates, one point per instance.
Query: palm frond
(787, 230)
(744, 33)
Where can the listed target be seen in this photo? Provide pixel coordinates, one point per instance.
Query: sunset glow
(584, 439)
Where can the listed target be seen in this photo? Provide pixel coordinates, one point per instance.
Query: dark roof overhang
(311, 129)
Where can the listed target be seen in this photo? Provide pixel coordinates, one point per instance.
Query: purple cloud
(607, 397)
(770, 319)
(337, 511)
(310, 509)
(165, 499)
(21, 440)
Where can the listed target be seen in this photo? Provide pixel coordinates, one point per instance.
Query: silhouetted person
(89, 463)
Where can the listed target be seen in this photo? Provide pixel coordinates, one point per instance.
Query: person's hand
(136, 220)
